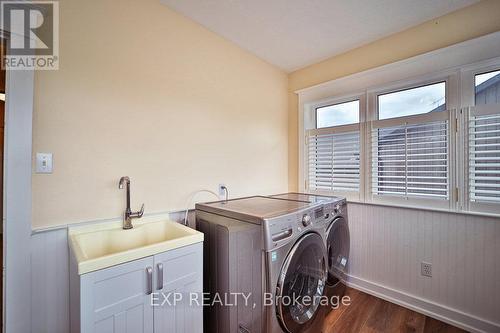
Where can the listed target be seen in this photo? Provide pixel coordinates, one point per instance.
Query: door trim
(17, 199)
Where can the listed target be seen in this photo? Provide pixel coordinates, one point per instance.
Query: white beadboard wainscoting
(387, 246)
(50, 282)
(50, 275)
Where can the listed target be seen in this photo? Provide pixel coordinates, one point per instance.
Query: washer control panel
(278, 231)
(335, 208)
(281, 230)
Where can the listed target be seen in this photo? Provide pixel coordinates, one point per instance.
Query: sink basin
(100, 246)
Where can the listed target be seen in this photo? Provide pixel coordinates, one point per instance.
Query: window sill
(440, 210)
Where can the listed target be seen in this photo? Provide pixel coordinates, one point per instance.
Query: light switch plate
(43, 163)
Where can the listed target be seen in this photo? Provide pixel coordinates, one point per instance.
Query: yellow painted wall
(144, 92)
(464, 24)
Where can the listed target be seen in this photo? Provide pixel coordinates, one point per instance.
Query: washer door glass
(338, 250)
(301, 283)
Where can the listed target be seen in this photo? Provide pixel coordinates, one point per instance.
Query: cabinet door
(179, 273)
(116, 299)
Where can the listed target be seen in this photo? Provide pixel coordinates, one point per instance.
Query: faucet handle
(137, 215)
(141, 212)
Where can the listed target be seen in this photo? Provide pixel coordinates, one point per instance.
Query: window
(410, 155)
(411, 160)
(334, 161)
(484, 156)
(484, 140)
(425, 99)
(433, 143)
(333, 149)
(487, 88)
(337, 114)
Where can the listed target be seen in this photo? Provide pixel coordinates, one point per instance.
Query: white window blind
(333, 159)
(410, 157)
(484, 154)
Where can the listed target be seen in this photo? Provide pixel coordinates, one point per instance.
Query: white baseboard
(448, 315)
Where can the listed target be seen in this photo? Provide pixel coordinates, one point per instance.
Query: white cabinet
(182, 276)
(116, 299)
(130, 297)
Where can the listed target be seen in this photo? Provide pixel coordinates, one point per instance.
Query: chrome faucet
(129, 215)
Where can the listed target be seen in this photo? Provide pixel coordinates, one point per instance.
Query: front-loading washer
(298, 272)
(292, 254)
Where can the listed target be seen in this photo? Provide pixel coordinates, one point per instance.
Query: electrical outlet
(426, 269)
(222, 191)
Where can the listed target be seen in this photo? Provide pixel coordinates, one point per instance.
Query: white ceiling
(292, 34)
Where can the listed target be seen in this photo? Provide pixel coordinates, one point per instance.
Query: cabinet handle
(160, 276)
(149, 280)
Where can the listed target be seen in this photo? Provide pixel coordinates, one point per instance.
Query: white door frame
(17, 200)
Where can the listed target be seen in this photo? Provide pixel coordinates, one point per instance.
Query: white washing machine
(292, 256)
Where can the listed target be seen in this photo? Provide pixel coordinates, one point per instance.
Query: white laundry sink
(100, 246)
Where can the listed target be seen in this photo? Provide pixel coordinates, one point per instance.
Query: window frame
(340, 101)
(416, 201)
(412, 86)
(481, 73)
(476, 206)
(467, 79)
(360, 126)
(456, 66)
(468, 96)
(451, 85)
(340, 129)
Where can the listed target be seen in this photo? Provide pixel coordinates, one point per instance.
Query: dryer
(292, 257)
(337, 237)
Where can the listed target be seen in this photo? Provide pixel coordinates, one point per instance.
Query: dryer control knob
(306, 220)
(338, 209)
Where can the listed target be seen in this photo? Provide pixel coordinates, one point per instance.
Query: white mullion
(406, 161)
(416, 120)
(464, 162)
(452, 134)
(332, 164)
(334, 129)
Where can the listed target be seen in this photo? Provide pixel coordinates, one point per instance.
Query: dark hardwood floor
(367, 313)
